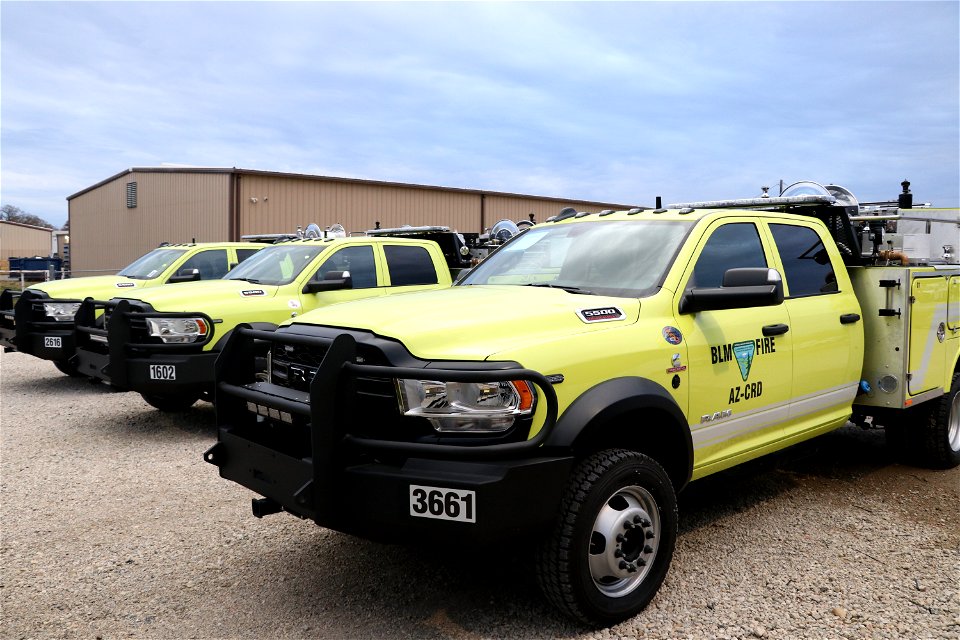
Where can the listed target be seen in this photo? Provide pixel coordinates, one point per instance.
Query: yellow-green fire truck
(572, 383)
(40, 320)
(163, 343)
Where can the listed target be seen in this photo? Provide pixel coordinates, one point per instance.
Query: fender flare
(607, 401)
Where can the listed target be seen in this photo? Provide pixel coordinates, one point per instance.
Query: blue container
(35, 264)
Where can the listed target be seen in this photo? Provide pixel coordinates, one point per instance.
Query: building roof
(303, 176)
(28, 226)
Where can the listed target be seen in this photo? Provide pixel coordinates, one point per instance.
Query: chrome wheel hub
(624, 541)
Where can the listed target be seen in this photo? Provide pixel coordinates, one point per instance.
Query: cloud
(608, 101)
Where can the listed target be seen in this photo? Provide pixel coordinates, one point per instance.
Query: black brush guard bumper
(112, 354)
(360, 485)
(23, 326)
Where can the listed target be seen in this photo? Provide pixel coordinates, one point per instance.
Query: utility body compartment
(911, 327)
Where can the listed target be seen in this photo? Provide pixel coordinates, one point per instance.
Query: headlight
(473, 407)
(61, 311)
(178, 330)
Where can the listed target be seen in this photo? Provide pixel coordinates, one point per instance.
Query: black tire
(66, 367)
(180, 402)
(939, 445)
(619, 511)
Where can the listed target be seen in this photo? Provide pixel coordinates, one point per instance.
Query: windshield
(151, 265)
(612, 258)
(276, 265)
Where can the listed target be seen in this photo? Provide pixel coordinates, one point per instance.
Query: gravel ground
(113, 526)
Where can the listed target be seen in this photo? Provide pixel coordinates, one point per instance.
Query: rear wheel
(939, 445)
(66, 367)
(613, 542)
(180, 402)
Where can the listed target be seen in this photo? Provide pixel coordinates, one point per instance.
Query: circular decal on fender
(672, 335)
(293, 304)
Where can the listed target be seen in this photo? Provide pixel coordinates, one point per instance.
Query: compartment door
(928, 329)
(953, 306)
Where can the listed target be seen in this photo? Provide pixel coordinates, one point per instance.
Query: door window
(243, 254)
(212, 264)
(806, 263)
(732, 246)
(358, 260)
(409, 265)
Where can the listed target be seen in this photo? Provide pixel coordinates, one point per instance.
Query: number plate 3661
(459, 505)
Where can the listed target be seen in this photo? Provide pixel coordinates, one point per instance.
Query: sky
(614, 102)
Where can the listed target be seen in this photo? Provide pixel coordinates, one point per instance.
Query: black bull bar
(329, 434)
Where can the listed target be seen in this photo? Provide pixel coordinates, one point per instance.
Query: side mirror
(742, 288)
(185, 275)
(332, 280)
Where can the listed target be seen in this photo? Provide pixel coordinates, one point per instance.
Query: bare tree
(11, 213)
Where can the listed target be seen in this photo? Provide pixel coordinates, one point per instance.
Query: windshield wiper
(250, 280)
(566, 288)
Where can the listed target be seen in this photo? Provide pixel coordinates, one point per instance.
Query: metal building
(23, 241)
(124, 216)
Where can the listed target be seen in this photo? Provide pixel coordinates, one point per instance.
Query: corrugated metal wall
(283, 203)
(19, 241)
(179, 205)
(171, 207)
(272, 204)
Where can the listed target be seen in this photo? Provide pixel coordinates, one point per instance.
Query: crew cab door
(825, 326)
(361, 261)
(739, 359)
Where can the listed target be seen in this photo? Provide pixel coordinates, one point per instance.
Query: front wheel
(180, 402)
(940, 443)
(613, 542)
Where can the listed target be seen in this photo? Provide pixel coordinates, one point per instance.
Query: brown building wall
(272, 204)
(24, 241)
(105, 235)
(284, 203)
(177, 205)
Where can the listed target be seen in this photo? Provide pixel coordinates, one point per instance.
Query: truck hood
(98, 287)
(205, 296)
(476, 322)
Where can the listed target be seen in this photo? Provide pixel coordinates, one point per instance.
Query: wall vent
(131, 195)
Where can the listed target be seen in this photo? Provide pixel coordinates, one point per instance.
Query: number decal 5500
(443, 504)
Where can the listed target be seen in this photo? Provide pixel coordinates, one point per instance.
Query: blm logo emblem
(743, 352)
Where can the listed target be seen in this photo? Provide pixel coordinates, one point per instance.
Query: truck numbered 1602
(572, 383)
(163, 343)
